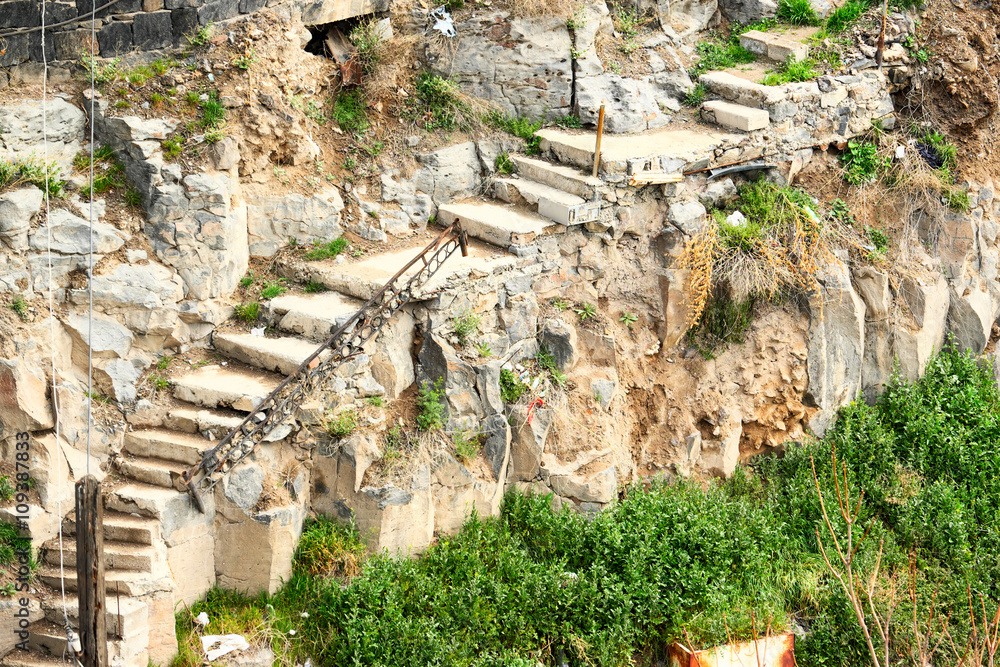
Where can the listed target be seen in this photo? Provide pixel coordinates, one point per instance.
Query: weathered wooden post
(90, 572)
(600, 133)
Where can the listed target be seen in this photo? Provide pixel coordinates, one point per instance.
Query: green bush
(213, 114)
(466, 325)
(430, 406)
(329, 548)
(370, 45)
(467, 447)
(519, 126)
(503, 164)
(17, 171)
(862, 162)
(20, 307)
(440, 105)
(511, 388)
(349, 111)
(798, 12)
(273, 289)
(342, 425)
(792, 71)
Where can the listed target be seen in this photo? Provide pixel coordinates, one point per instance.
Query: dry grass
(537, 8)
(394, 72)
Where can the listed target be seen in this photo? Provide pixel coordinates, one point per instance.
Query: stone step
(31, 659)
(131, 583)
(49, 639)
(211, 424)
(161, 443)
(775, 47)
(314, 316)
(364, 279)
(500, 225)
(149, 501)
(734, 116)
(158, 472)
(121, 527)
(561, 177)
(126, 617)
(117, 555)
(557, 205)
(219, 386)
(740, 91)
(282, 355)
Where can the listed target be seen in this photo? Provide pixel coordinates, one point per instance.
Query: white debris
(291, 632)
(900, 152)
(736, 219)
(443, 22)
(259, 331)
(201, 619)
(216, 646)
(304, 614)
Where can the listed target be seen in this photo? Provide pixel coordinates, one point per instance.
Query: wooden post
(600, 132)
(90, 572)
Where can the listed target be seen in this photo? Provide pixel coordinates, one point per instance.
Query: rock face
(17, 207)
(24, 399)
(272, 221)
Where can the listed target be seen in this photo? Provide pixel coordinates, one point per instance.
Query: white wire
(90, 253)
(52, 327)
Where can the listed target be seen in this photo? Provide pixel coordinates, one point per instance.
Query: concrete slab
(217, 386)
(682, 145)
(282, 355)
(557, 205)
(313, 316)
(363, 279)
(734, 89)
(735, 116)
(191, 419)
(560, 176)
(775, 47)
(183, 448)
(500, 225)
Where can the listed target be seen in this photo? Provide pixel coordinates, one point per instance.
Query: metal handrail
(312, 374)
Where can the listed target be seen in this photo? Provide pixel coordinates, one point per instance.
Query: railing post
(90, 572)
(600, 132)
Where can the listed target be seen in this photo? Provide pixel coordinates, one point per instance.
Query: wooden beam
(600, 134)
(655, 178)
(90, 572)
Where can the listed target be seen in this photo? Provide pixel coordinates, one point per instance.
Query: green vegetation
(628, 319)
(797, 12)
(511, 387)
(370, 45)
(560, 304)
(327, 250)
(313, 287)
(247, 312)
(11, 542)
(713, 56)
(841, 17)
(247, 280)
(578, 21)
(273, 289)
(213, 114)
(103, 72)
(246, 59)
(546, 362)
(520, 127)
(879, 241)
(133, 198)
(503, 164)
(723, 322)
(159, 382)
(17, 171)
(349, 111)
(430, 406)
(440, 105)
(375, 401)
(466, 325)
(20, 307)
(571, 121)
(6, 488)
(696, 96)
(484, 350)
(467, 447)
(341, 425)
(586, 311)
(704, 563)
(863, 163)
(792, 71)
(201, 36)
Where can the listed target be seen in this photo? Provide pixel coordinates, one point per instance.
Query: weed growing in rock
(349, 111)
(329, 549)
(247, 312)
(879, 243)
(342, 425)
(628, 319)
(17, 171)
(586, 311)
(467, 446)
(6, 488)
(247, 280)
(696, 96)
(792, 71)
(370, 44)
(20, 307)
(466, 325)
(245, 59)
(520, 126)
(213, 114)
(10, 542)
(164, 363)
(159, 382)
(560, 304)
(430, 406)
(572, 121)
(578, 21)
(841, 17)
(201, 36)
(103, 72)
(546, 362)
(503, 164)
(484, 350)
(440, 105)
(797, 12)
(862, 162)
(313, 287)
(327, 250)
(133, 198)
(375, 401)
(273, 289)
(713, 56)
(511, 387)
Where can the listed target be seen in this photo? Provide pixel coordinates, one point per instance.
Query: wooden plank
(90, 572)
(655, 178)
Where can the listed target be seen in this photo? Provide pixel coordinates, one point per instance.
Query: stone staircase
(145, 514)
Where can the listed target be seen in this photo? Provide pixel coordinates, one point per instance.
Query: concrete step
(131, 583)
(31, 659)
(211, 424)
(499, 225)
(149, 501)
(363, 279)
(740, 91)
(120, 527)
(158, 472)
(161, 443)
(313, 316)
(557, 205)
(47, 638)
(117, 555)
(734, 116)
(560, 177)
(126, 617)
(775, 47)
(219, 386)
(282, 355)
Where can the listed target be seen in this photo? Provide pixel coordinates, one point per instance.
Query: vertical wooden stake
(90, 572)
(600, 132)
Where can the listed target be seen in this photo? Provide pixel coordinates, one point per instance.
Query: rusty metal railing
(314, 374)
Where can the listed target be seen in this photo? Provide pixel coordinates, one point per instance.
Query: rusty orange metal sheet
(775, 651)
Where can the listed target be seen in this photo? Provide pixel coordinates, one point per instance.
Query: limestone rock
(873, 287)
(603, 391)
(17, 207)
(439, 361)
(520, 317)
(447, 173)
(929, 305)
(272, 221)
(224, 154)
(243, 485)
(630, 104)
(970, 318)
(107, 339)
(117, 378)
(21, 125)
(71, 235)
(488, 386)
(146, 295)
(24, 399)
(689, 217)
(560, 340)
(496, 449)
(601, 487)
(528, 441)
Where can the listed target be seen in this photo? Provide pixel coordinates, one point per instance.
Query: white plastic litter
(900, 152)
(259, 331)
(216, 646)
(304, 614)
(736, 219)
(201, 619)
(443, 22)
(291, 632)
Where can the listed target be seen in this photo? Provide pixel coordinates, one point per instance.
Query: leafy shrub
(201, 36)
(245, 59)
(572, 121)
(430, 406)
(586, 311)
(862, 162)
(547, 362)
(511, 387)
(6, 488)
(467, 447)
(16, 171)
(329, 548)
(342, 425)
(841, 17)
(503, 164)
(798, 12)
(349, 111)
(313, 287)
(465, 325)
(327, 250)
